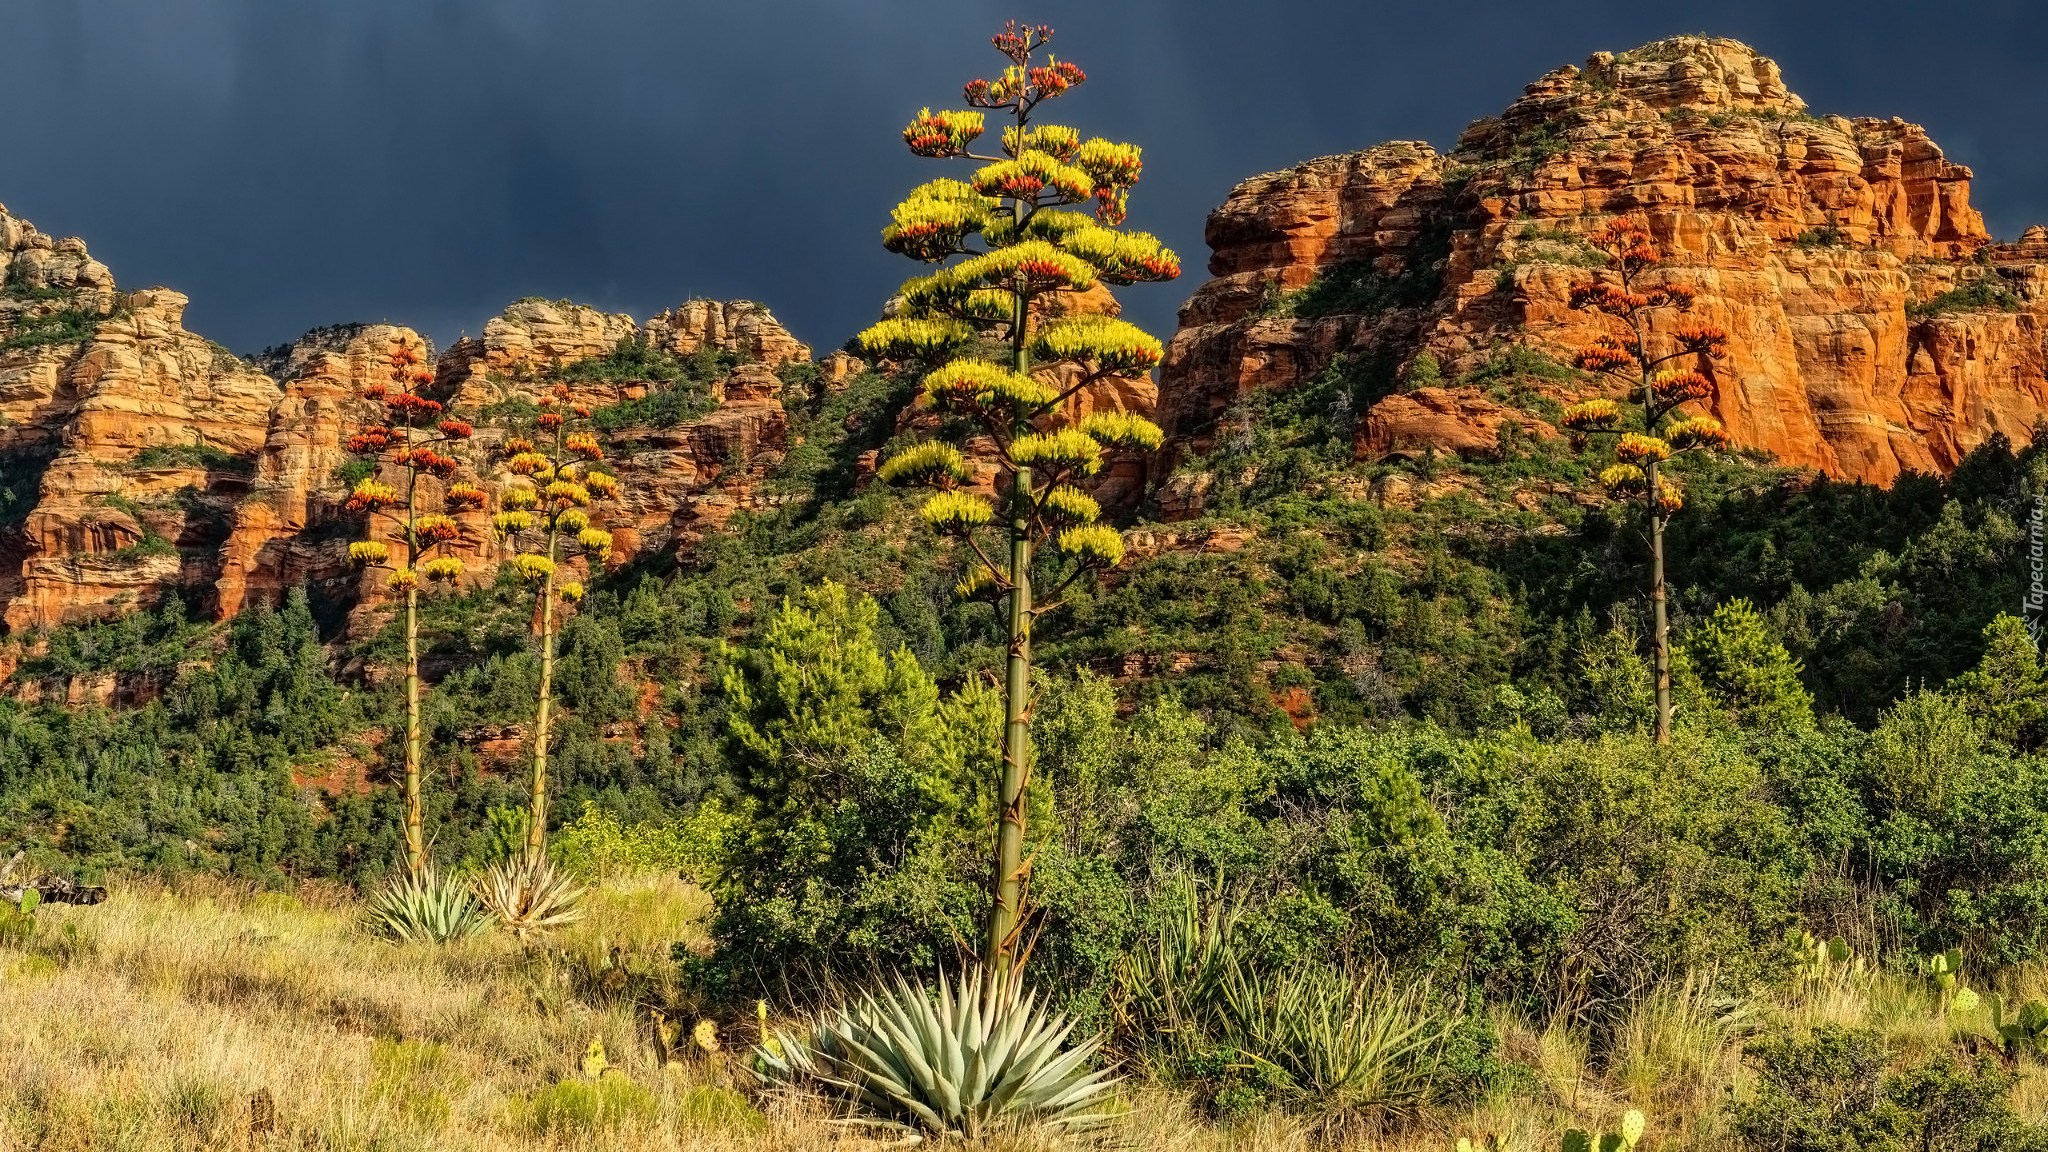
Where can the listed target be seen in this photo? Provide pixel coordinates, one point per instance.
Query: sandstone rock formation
(136, 458)
(1823, 245)
(740, 327)
(128, 439)
(679, 480)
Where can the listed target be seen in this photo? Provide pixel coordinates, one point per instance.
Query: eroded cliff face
(127, 440)
(137, 458)
(680, 480)
(1817, 243)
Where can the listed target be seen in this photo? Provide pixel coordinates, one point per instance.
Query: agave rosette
(964, 1061)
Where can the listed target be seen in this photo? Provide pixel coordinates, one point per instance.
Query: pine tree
(2009, 687)
(1008, 244)
(1656, 393)
(1734, 657)
(545, 526)
(407, 443)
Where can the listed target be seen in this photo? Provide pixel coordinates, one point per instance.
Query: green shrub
(64, 326)
(1422, 372)
(354, 471)
(1357, 287)
(1836, 1090)
(1976, 296)
(1743, 669)
(598, 846)
(414, 1078)
(579, 1108)
(193, 456)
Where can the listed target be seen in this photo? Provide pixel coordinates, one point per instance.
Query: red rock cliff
(1818, 243)
(137, 458)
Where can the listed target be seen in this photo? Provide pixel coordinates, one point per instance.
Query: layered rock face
(127, 440)
(137, 458)
(678, 480)
(1824, 246)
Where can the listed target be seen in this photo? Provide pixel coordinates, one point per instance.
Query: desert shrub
(575, 1109)
(1976, 296)
(1836, 1089)
(598, 845)
(867, 864)
(720, 1109)
(193, 456)
(415, 1078)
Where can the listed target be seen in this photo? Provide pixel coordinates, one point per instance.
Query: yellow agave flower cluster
(1123, 430)
(933, 462)
(942, 134)
(1113, 346)
(1588, 415)
(1697, 432)
(443, 569)
(568, 490)
(1093, 544)
(1068, 504)
(923, 339)
(1636, 448)
(990, 386)
(952, 513)
(1064, 450)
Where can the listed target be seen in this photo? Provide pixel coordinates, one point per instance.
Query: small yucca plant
(424, 908)
(528, 893)
(958, 1062)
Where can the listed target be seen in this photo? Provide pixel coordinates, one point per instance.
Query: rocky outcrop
(289, 529)
(741, 327)
(128, 439)
(678, 480)
(136, 458)
(1824, 246)
(521, 343)
(1460, 420)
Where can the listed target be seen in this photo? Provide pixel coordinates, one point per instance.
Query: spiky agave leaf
(963, 1060)
(529, 893)
(426, 908)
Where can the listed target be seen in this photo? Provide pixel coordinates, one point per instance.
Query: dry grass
(151, 1021)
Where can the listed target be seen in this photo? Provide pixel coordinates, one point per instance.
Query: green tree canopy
(1742, 667)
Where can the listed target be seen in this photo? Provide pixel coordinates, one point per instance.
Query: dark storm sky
(289, 163)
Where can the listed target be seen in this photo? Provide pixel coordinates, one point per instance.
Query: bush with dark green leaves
(1839, 1090)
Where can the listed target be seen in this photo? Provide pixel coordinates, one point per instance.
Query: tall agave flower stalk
(1007, 244)
(542, 517)
(408, 447)
(1657, 385)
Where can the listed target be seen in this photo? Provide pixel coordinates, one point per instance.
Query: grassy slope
(150, 1021)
